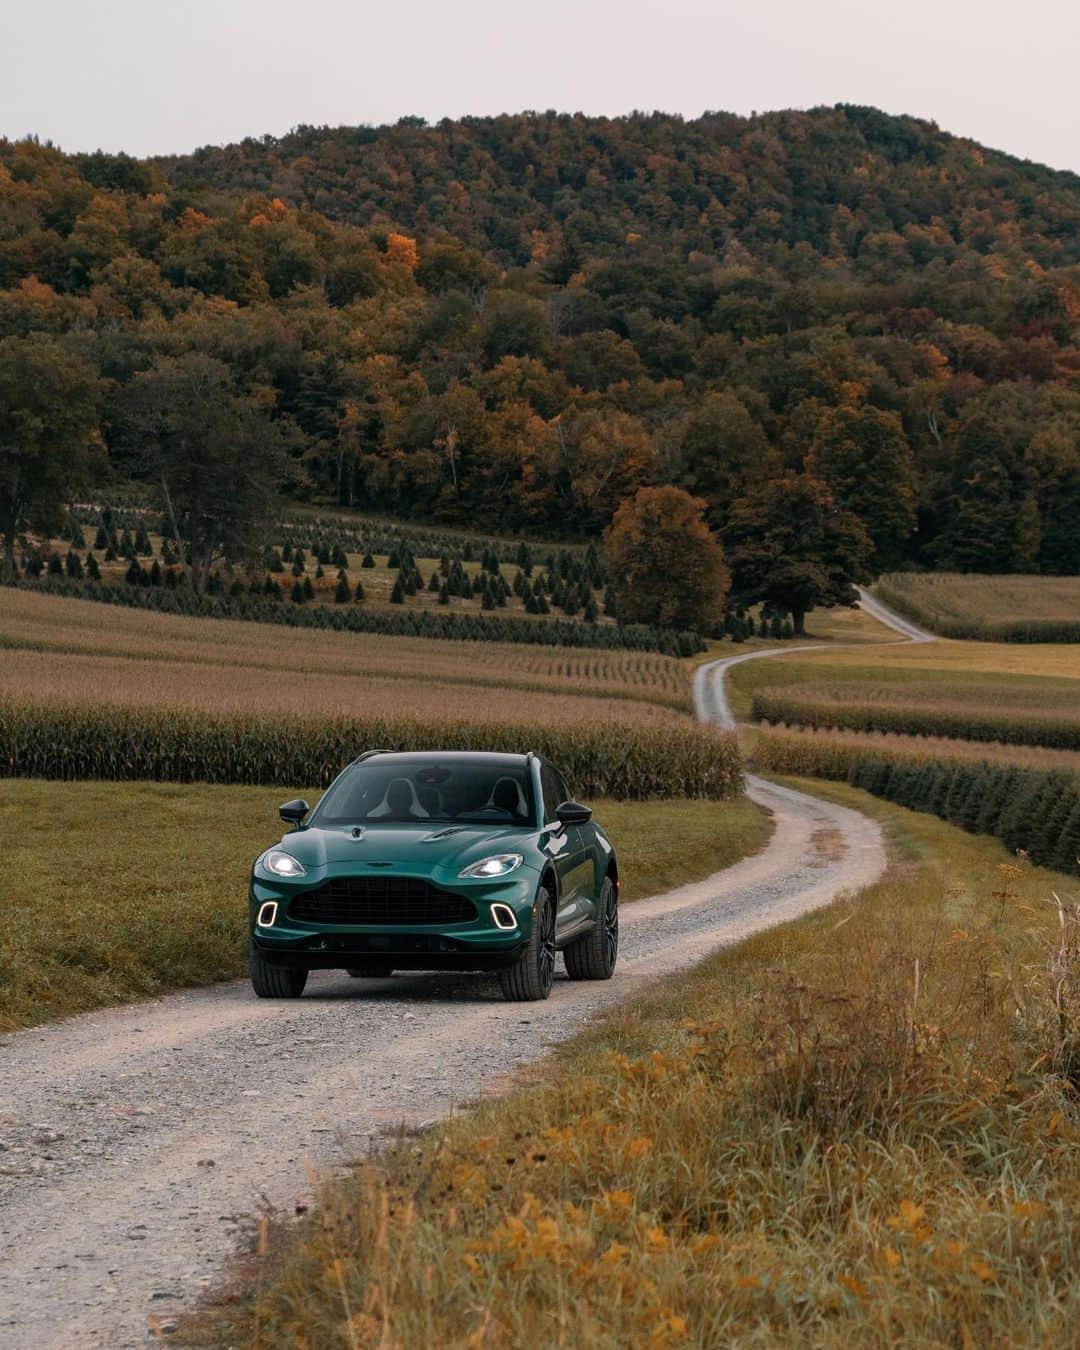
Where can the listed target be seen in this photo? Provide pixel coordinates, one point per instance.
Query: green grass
(857, 1129)
(115, 891)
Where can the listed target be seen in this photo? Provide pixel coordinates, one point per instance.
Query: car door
(573, 863)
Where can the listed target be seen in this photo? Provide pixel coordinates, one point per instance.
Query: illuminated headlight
(283, 864)
(498, 866)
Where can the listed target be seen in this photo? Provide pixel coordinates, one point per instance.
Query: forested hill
(832, 180)
(516, 322)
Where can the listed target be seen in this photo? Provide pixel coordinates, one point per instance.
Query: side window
(552, 786)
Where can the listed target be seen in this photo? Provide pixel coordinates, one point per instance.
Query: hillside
(513, 323)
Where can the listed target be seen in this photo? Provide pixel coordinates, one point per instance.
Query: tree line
(836, 325)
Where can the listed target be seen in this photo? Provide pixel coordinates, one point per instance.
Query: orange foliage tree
(665, 565)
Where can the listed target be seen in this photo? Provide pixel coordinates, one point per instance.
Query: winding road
(139, 1144)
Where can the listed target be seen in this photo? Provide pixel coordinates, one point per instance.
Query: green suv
(437, 860)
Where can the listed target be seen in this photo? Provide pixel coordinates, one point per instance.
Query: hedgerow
(406, 623)
(73, 741)
(1033, 809)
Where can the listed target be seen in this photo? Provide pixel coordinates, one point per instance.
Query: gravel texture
(138, 1144)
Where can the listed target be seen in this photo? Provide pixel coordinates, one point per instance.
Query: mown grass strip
(840, 1132)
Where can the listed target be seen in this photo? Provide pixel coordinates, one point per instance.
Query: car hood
(421, 848)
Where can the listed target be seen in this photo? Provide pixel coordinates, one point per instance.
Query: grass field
(117, 891)
(990, 609)
(62, 648)
(858, 1129)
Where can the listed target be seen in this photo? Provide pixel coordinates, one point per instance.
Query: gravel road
(136, 1144)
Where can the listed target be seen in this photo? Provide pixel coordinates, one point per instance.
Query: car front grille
(381, 900)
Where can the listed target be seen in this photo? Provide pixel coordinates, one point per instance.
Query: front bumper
(477, 944)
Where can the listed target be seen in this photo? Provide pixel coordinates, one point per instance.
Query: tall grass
(627, 759)
(987, 609)
(843, 1132)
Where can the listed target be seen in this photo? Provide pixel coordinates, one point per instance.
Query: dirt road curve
(136, 1143)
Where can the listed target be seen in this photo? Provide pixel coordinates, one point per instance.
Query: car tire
(593, 956)
(370, 970)
(274, 981)
(530, 977)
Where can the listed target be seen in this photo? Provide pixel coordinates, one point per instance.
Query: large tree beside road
(791, 548)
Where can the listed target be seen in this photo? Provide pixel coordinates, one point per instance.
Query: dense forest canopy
(517, 322)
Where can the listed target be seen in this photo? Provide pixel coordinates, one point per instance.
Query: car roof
(495, 758)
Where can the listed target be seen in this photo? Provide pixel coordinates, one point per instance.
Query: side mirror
(573, 813)
(292, 813)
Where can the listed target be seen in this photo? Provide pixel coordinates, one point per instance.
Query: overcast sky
(161, 76)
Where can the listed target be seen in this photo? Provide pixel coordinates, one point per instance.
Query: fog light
(267, 914)
(504, 916)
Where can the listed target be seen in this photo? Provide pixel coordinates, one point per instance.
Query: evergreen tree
(343, 593)
(397, 595)
(298, 596)
(358, 593)
(93, 571)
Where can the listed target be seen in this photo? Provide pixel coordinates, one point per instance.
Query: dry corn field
(140, 657)
(828, 753)
(972, 691)
(992, 609)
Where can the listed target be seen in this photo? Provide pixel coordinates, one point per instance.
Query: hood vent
(443, 834)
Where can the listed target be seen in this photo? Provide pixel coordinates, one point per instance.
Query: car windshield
(400, 790)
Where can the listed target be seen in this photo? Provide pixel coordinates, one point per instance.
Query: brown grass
(856, 1130)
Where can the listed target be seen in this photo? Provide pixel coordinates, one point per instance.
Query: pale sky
(163, 76)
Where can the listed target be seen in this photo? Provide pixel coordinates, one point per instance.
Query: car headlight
(283, 864)
(498, 865)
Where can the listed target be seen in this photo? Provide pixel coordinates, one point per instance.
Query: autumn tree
(214, 455)
(863, 455)
(50, 402)
(665, 565)
(791, 548)
(721, 450)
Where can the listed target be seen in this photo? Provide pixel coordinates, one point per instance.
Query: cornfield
(622, 759)
(987, 609)
(1046, 714)
(1029, 808)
